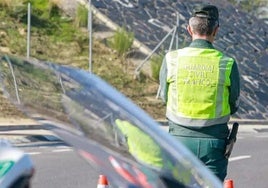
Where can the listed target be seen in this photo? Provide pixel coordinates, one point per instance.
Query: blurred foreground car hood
(108, 130)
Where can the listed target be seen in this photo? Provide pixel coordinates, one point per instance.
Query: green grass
(81, 19)
(122, 41)
(10, 5)
(55, 38)
(155, 64)
(249, 5)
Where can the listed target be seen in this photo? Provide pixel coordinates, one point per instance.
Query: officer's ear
(215, 31)
(189, 29)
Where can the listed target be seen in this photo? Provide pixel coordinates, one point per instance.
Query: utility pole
(90, 36)
(29, 31)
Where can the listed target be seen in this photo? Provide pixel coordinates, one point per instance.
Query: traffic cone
(102, 182)
(228, 183)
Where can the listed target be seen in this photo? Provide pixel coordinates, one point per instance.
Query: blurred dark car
(108, 130)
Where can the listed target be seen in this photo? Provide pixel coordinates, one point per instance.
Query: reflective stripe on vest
(198, 91)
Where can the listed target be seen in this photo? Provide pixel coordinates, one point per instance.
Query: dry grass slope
(106, 62)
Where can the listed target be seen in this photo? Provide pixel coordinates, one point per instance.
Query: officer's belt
(219, 131)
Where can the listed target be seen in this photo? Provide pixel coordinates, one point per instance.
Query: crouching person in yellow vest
(200, 86)
(145, 150)
(141, 145)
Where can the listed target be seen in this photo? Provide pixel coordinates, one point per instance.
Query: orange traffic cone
(102, 182)
(228, 183)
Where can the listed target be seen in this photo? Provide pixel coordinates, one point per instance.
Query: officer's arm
(234, 89)
(163, 81)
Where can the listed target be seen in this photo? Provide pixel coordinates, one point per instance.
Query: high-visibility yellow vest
(148, 152)
(141, 145)
(198, 92)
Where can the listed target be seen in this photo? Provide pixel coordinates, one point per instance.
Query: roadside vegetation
(155, 64)
(59, 38)
(258, 8)
(248, 5)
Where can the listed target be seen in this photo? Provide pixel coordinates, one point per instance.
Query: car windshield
(108, 130)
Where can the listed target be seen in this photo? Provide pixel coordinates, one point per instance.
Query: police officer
(200, 86)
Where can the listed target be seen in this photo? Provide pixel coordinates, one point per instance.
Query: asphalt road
(57, 164)
(248, 164)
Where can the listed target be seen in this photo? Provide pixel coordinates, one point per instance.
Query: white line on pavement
(54, 151)
(63, 147)
(239, 158)
(34, 153)
(262, 136)
(61, 150)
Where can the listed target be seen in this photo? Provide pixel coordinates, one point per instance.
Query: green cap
(206, 11)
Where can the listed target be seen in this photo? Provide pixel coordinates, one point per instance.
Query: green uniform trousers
(208, 149)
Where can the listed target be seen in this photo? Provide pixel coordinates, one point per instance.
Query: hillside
(241, 36)
(72, 49)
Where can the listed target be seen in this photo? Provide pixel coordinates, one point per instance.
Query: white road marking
(63, 147)
(239, 158)
(61, 150)
(43, 147)
(262, 136)
(34, 153)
